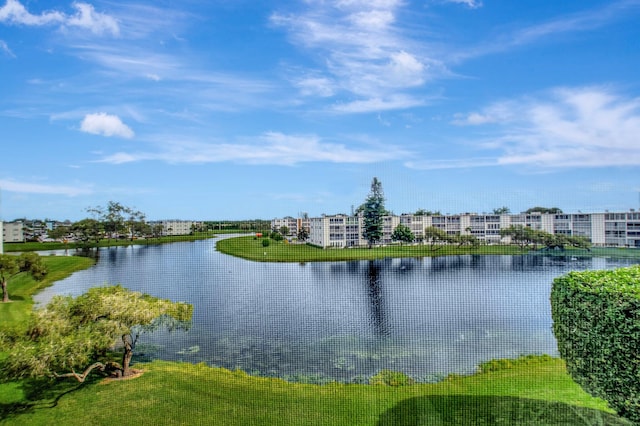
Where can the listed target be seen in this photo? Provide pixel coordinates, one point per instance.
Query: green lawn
(36, 246)
(280, 251)
(22, 287)
(536, 393)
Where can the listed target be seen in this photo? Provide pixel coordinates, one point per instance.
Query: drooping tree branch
(81, 377)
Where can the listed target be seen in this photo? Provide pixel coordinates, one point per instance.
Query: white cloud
(106, 125)
(378, 104)
(97, 23)
(473, 4)
(4, 47)
(37, 188)
(576, 22)
(463, 163)
(363, 50)
(567, 127)
(13, 12)
(316, 86)
(269, 148)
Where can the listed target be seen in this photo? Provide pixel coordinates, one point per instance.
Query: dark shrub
(266, 242)
(596, 320)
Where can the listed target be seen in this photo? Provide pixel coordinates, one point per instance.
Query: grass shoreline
(55, 245)
(251, 248)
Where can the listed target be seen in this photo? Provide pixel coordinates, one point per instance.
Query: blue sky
(223, 109)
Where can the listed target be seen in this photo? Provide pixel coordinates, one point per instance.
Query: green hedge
(596, 321)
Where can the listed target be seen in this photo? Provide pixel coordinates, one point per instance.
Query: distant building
(620, 229)
(177, 227)
(294, 225)
(13, 232)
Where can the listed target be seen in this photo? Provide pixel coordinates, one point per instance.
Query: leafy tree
(74, 334)
(88, 231)
(117, 218)
(548, 210)
(284, 230)
(579, 242)
(523, 236)
(465, 240)
(11, 266)
(559, 241)
(303, 234)
(134, 220)
(403, 234)
(436, 237)
(59, 232)
(502, 210)
(156, 230)
(423, 212)
(373, 211)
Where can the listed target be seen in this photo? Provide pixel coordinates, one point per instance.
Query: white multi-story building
(602, 229)
(13, 232)
(177, 227)
(294, 225)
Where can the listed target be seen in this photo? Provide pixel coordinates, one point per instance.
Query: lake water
(340, 321)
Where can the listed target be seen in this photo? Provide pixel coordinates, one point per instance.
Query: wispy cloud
(581, 21)
(361, 51)
(37, 188)
(106, 125)
(86, 17)
(567, 127)
(270, 148)
(4, 47)
(473, 4)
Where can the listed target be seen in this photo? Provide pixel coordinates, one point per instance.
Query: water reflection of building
(602, 229)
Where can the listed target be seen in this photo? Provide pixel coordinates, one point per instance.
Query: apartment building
(177, 227)
(294, 225)
(13, 232)
(602, 229)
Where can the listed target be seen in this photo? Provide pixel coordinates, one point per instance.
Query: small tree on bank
(11, 266)
(436, 238)
(303, 234)
(70, 337)
(373, 211)
(403, 234)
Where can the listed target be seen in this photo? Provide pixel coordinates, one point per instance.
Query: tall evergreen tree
(373, 210)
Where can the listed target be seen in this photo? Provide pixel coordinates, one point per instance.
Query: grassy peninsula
(251, 248)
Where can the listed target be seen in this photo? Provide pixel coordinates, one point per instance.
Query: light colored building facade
(291, 223)
(294, 225)
(602, 229)
(177, 227)
(13, 232)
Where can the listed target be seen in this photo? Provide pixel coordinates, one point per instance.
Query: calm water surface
(340, 320)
